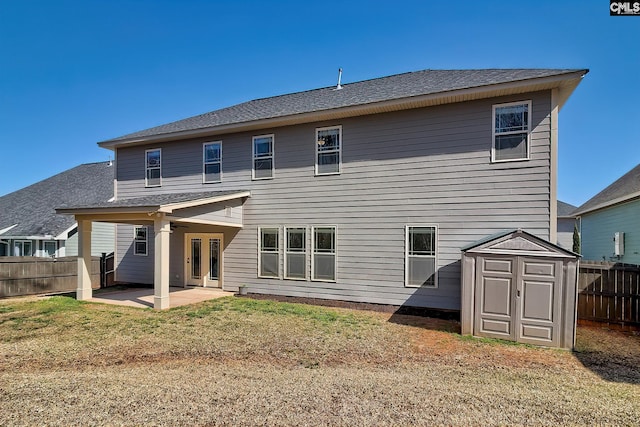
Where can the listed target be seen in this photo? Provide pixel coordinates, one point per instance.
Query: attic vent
(339, 86)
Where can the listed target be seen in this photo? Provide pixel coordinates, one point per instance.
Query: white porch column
(161, 263)
(84, 291)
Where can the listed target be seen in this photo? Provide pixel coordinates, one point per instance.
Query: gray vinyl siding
(129, 267)
(102, 240)
(422, 166)
(597, 230)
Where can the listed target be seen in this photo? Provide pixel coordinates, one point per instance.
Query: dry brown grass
(238, 361)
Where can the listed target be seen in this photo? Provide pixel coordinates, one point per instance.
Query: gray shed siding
(422, 166)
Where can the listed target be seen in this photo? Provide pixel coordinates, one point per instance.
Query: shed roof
(517, 241)
(625, 188)
(415, 89)
(30, 211)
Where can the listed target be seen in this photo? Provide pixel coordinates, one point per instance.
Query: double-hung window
(511, 127)
(323, 260)
(269, 252)
(295, 258)
(153, 173)
(328, 150)
(421, 255)
(140, 242)
(212, 162)
(263, 157)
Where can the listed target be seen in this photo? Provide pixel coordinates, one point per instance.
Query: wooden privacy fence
(33, 275)
(609, 293)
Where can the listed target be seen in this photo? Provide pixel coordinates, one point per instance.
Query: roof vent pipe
(339, 78)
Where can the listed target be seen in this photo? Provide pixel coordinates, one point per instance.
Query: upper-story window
(262, 157)
(328, 150)
(511, 127)
(212, 162)
(153, 177)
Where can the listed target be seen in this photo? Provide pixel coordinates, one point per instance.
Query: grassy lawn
(238, 361)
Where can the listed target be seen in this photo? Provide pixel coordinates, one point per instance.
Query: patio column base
(161, 303)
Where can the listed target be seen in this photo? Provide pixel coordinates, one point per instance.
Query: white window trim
(494, 134)
(406, 255)
(273, 156)
(146, 168)
(306, 252)
(335, 252)
(146, 240)
(205, 163)
(260, 251)
(55, 245)
(339, 127)
(22, 242)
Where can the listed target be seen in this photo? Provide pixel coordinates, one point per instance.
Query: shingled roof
(625, 188)
(413, 86)
(565, 210)
(31, 210)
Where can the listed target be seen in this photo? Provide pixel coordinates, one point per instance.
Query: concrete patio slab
(143, 297)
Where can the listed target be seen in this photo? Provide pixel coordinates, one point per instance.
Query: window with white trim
(49, 248)
(295, 254)
(22, 248)
(263, 164)
(153, 173)
(511, 127)
(269, 252)
(212, 162)
(421, 255)
(140, 241)
(323, 260)
(328, 150)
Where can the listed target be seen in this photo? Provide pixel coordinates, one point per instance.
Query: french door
(203, 259)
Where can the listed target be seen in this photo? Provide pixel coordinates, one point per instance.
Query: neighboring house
(29, 225)
(566, 225)
(610, 222)
(361, 192)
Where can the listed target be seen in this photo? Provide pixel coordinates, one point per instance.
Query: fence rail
(34, 275)
(609, 293)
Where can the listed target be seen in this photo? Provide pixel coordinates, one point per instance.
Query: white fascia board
(169, 208)
(63, 235)
(4, 230)
(108, 210)
(610, 203)
(568, 81)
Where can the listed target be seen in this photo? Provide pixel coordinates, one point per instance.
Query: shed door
(538, 293)
(518, 299)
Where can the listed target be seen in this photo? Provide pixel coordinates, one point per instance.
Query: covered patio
(162, 212)
(144, 297)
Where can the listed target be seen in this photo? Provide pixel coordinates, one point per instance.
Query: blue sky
(73, 73)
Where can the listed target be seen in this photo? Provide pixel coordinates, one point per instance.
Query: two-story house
(363, 192)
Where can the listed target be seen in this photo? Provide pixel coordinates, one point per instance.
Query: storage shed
(519, 287)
